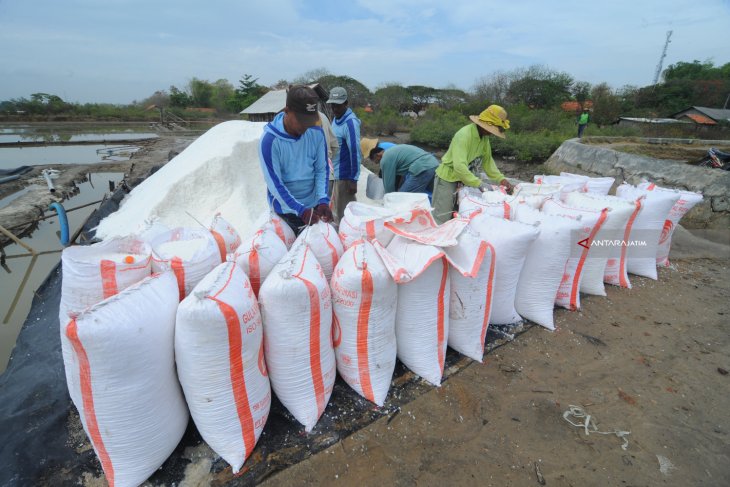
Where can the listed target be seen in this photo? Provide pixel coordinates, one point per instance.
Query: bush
(527, 146)
(437, 127)
(382, 122)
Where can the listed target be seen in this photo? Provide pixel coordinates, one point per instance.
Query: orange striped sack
(219, 351)
(364, 297)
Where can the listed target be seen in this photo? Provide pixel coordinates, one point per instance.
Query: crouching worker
(414, 166)
(293, 157)
(469, 151)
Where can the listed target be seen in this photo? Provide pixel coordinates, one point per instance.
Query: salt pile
(219, 172)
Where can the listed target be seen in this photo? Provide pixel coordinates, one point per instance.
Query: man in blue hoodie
(293, 157)
(346, 163)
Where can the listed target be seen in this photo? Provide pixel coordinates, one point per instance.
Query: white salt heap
(219, 172)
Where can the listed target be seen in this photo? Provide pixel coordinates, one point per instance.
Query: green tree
(201, 92)
(248, 91)
(540, 87)
(223, 92)
(580, 91)
(696, 70)
(393, 96)
(450, 97)
(358, 95)
(421, 96)
(606, 104)
(179, 98)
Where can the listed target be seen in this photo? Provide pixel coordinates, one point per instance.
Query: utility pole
(661, 58)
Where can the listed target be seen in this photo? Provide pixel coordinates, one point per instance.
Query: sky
(119, 51)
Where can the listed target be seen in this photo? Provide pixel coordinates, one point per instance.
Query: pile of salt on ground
(219, 172)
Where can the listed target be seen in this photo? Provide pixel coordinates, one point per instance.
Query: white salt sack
(422, 317)
(268, 220)
(120, 370)
(687, 200)
(296, 308)
(325, 243)
(471, 276)
(511, 241)
(404, 202)
(597, 185)
(647, 230)
(258, 254)
(189, 252)
(609, 242)
(219, 352)
(567, 185)
(364, 297)
(492, 203)
(545, 265)
(584, 266)
(364, 222)
(92, 273)
(225, 236)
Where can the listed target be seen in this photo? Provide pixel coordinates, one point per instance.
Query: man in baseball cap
(346, 164)
(293, 157)
(302, 101)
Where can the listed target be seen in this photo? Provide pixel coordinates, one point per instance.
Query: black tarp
(43, 442)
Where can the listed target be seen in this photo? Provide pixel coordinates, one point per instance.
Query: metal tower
(661, 59)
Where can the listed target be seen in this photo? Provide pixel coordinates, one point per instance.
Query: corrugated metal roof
(652, 120)
(716, 114)
(271, 102)
(701, 119)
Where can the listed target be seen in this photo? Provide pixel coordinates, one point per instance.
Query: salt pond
(42, 240)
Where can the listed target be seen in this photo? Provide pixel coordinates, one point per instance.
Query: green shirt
(583, 119)
(467, 149)
(401, 159)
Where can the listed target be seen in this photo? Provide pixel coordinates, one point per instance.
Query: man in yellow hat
(469, 149)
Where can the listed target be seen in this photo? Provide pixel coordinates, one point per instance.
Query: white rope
(589, 426)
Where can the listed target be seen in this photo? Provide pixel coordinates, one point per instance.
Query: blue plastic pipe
(63, 221)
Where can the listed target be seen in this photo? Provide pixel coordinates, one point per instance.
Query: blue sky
(117, 51)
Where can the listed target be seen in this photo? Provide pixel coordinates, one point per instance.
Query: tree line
(537, 87)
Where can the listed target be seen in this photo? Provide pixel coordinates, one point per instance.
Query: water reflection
(12, 157)
(44, 241)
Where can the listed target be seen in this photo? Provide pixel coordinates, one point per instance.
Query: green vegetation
(542, 104)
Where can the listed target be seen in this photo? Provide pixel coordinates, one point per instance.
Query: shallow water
(45, 238)
(12, 157)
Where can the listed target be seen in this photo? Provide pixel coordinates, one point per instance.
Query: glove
(309, 216)
(351, 186)
(506, 185)
(324, 213)
(484, 187)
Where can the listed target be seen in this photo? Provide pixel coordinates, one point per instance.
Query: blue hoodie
(295, 168)
(346, 164)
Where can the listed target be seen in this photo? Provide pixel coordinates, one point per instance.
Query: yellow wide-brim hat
(493, 120)
(366, 145)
